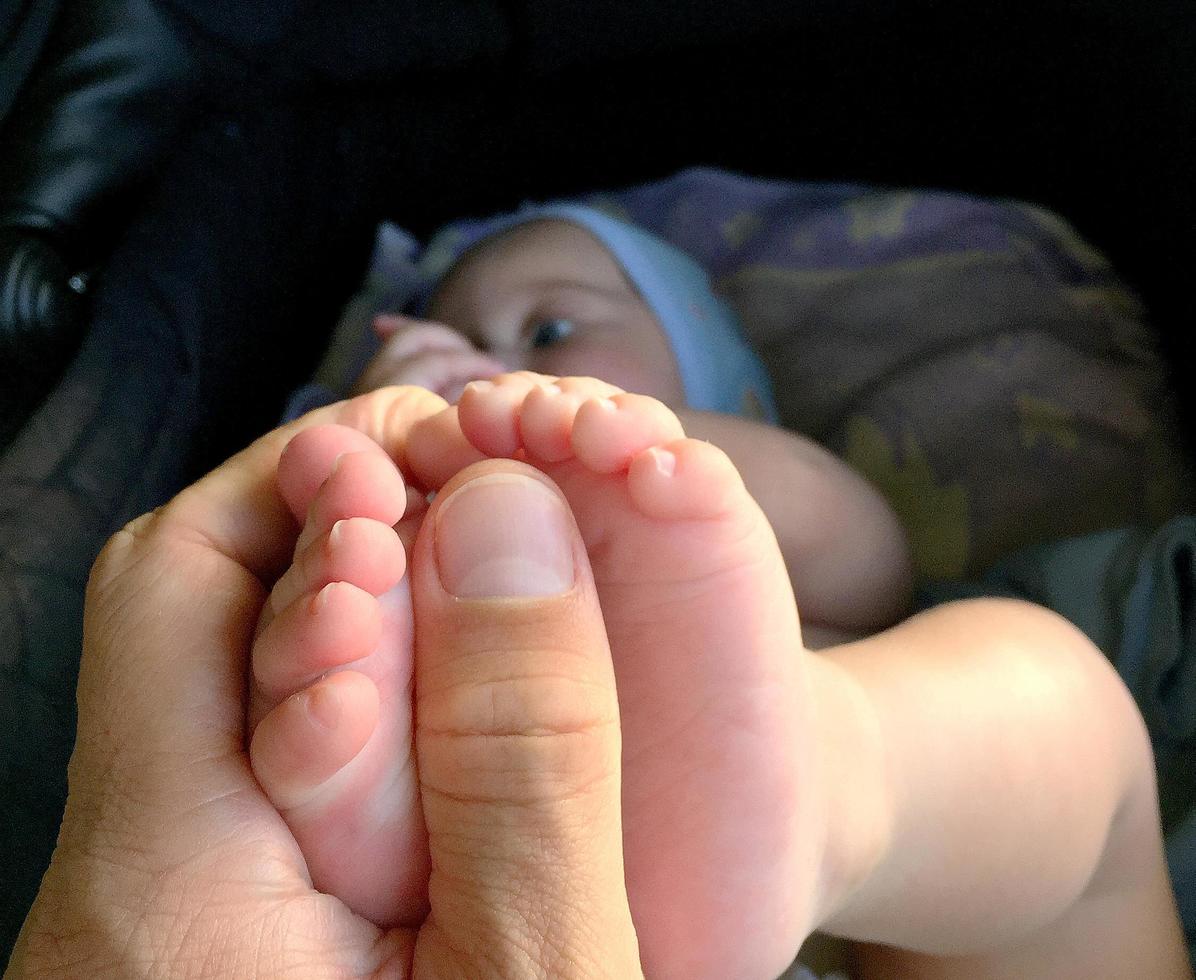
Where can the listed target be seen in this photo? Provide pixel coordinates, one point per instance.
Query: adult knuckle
(521, 737)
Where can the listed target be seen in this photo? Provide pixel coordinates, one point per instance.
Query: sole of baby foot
(705, 639)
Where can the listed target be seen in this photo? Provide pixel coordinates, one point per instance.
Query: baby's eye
(545, 333)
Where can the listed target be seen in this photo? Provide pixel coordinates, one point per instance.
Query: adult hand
(172, 862)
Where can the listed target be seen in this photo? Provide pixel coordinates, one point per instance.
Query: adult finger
(517, 735)
(163, 812)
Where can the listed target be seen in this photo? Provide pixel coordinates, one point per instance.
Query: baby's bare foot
(705, 637)
(330, 705)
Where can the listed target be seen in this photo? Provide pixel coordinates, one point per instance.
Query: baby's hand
(429, 355)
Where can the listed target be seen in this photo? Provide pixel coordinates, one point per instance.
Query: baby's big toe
(311, 457)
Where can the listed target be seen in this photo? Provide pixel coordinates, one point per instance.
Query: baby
(967, 794)
(567, 290)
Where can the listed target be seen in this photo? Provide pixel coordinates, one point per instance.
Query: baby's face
(547, 296)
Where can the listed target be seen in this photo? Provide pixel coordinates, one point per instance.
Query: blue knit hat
(719, 372)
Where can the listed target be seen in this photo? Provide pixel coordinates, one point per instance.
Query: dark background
(227, 208)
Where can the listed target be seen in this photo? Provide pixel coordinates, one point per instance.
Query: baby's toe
(489, 411)
(363, 552)
(586, 388)
(437, 449)
(609, 432)
(311, 736)
(360, 484)
(311, 456)
(546, 422)
(686, 479)
(317, 633)
(548, 413)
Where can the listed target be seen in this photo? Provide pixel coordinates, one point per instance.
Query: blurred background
(189, 192)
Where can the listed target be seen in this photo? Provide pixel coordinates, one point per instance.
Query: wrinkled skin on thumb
(517, 736)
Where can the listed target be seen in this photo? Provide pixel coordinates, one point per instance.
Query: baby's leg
(1021, 833)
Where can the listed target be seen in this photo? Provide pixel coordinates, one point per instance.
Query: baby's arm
(843, 546)
(991, 803)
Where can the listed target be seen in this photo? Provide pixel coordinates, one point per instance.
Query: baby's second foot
(705, 638)
(330, 707)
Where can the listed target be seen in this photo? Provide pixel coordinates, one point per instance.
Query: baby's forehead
(538, 253)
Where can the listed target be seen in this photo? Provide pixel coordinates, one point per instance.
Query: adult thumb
(517, 735)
